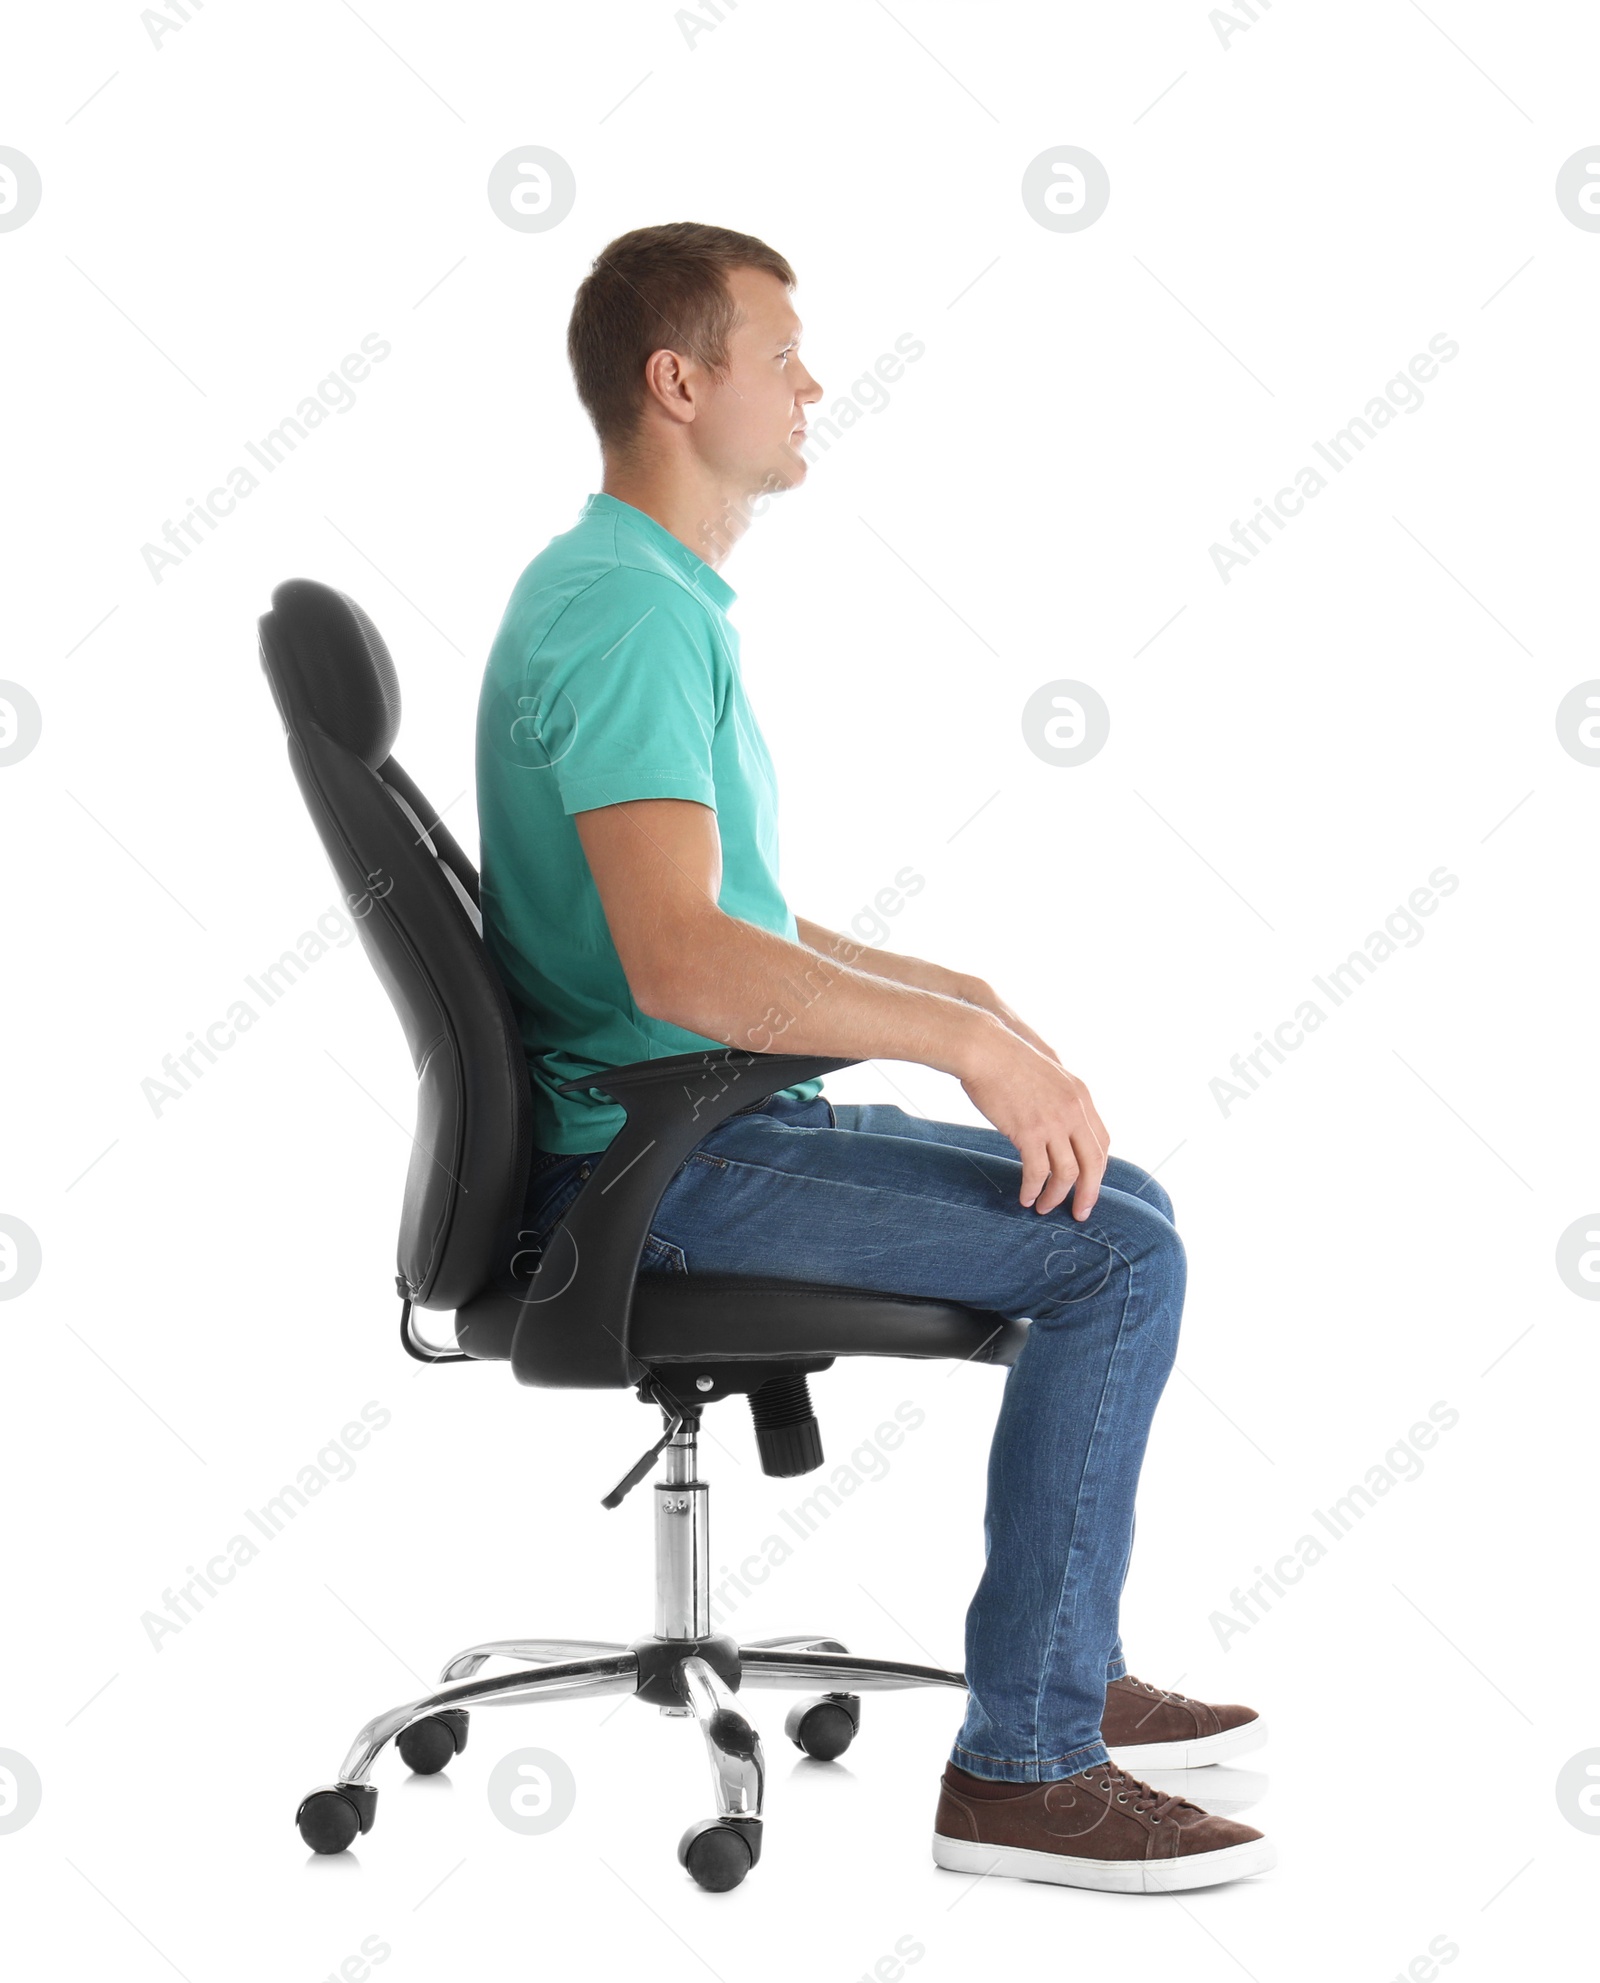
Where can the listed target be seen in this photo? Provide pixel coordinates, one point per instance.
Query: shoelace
(1142, 1797)
(1161, 1693)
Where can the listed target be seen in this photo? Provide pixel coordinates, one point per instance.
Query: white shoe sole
(1194, 1754)
(1200, 1869)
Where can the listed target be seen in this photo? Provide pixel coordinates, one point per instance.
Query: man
(629, 824)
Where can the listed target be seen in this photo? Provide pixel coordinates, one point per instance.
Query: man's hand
(1042, 1108)
(1046, 1112)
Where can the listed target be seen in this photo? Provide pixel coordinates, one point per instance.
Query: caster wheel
(426, 1746)
(330, 1819)
(824, 1727)
(717, 1855)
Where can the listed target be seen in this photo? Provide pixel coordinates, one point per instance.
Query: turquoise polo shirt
(614, 675)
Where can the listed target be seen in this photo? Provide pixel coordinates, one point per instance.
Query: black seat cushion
(723, 1318)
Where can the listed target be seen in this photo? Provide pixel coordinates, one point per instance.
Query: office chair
(576, 1312)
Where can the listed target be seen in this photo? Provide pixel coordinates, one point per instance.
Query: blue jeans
(864, 1195)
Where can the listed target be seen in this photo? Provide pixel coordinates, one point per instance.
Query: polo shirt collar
(703, 576)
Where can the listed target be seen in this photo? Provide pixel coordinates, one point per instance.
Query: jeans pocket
(660, 1256)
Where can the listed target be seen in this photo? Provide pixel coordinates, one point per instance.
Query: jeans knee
(1162, 1266)
(1170, 1259)
(1142, 1186)
(1139, 1256)
(1172, 1268)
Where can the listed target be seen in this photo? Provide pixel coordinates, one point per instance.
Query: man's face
(748, 427)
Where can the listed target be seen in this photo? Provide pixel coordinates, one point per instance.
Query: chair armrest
(708, 1072)
(574, 1325)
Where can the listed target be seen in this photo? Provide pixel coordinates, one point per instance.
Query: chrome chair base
(683, 1668)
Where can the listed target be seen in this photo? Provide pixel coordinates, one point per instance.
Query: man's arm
(920, 972)
(657, 864)
(883, 963)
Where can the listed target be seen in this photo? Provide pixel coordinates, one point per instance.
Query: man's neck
(701, 515)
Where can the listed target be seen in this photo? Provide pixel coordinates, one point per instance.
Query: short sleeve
(628, 694)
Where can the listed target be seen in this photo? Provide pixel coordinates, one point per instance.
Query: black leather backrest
(413, 895)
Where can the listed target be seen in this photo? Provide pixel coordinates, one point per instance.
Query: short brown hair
(652, 288)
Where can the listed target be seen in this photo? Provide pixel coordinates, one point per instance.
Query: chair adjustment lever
(642, 1466)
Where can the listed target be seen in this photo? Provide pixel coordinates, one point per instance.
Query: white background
(1292, 217)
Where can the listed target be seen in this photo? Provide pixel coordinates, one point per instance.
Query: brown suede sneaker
(1101, 1828)
(1152, 1728)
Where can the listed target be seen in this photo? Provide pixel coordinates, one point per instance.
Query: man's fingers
(1035, 1170)
(1095, 1127)
(1063, 1170)
(1091, 1170)
(1072, 1160)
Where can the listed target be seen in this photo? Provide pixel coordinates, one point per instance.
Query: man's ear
(671, 382)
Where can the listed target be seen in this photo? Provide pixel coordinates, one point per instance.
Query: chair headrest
(328, 666)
